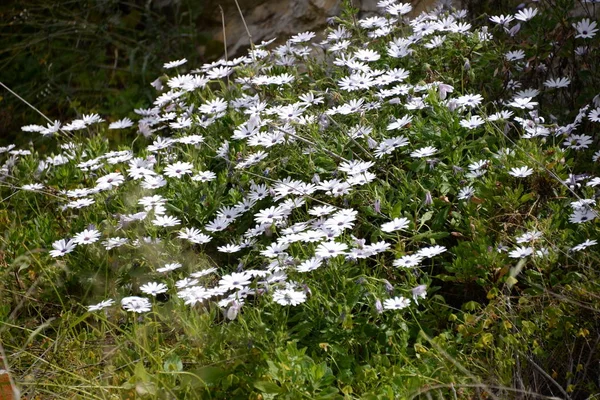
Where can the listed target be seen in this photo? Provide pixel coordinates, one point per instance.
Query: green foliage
(465, 258)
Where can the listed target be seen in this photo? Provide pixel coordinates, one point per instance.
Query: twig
(481, 386)
(547, 376)
(224, 33)
(351, 138)
(563, 298)
(32, 107)
(455, 363)
(329, 152)
(116, 64)
(245, 25)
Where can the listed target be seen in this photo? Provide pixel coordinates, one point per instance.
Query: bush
(403, 209)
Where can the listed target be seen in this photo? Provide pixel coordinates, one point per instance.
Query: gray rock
(268, 19)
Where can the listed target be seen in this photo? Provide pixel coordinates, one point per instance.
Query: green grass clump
(403, 208)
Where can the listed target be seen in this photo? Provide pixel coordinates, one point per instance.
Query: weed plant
(402, 208)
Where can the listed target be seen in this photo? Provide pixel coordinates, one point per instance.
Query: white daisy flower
(331, 249)
(103, 304)
(310, 264)
(521, 252)
(526, 14)
(521, 172)
(229, 248)
(62, 247)
(169, 267)
(288, 297)
(114, 242)
(395, 225)
(153, 288)
(586, 29)
(419, 292)
(235, 280)
(121, 124)
(466, 193)
(528, 237)
(424, 152)
(88, 236)
(397, 303)
(408, 261)
(80, 203)
(204, 176)
(33, 187)
(173, 64)
(319, 211)
(136, 304)
(178, 169)
(557, 83)
(428, 252)
(165, 221)
(584, 245)
(110, 181)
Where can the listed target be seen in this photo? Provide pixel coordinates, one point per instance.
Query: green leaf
(511, 281)
(493, 293)
(326, 163)
(145, 389)
(273, 369)
(471, 306)
(526, 197)
(267, 387)
(171, 207)
(140, 372)
(204, 376)
(396, 210)
(425, 217)
(445, 278)
(529, 327)
(430, 235)
(487, 339)
(329, 393)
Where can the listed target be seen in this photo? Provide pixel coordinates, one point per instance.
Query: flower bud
(419, 291)
(377, 206)
(514, 30)
(428, 199)
(233, 311)
(452, 105)
(388, 286)
(378, 306)
(443, 90)
(371, 142)
(306, 290)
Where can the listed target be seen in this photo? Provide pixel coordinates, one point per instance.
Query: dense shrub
(402, 208)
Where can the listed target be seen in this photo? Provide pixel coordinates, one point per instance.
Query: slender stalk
(32, 107)
(245, 25)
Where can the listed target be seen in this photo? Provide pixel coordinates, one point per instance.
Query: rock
(267, 19)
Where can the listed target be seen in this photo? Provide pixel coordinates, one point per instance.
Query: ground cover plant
(402, 208)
